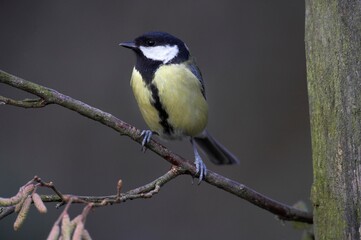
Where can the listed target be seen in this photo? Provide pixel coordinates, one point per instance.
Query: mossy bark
(333, 52)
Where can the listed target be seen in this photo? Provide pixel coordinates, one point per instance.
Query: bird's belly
(180, 96)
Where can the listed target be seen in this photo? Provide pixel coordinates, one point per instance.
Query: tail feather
(215, 151)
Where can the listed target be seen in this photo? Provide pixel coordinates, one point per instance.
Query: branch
(26, 103)
(9, 205)
(50, 96)
(146, 191)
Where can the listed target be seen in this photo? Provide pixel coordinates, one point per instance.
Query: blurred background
(251, 54)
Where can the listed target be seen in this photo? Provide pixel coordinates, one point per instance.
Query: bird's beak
(130, 45)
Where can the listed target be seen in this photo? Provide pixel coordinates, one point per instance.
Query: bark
(333, 53)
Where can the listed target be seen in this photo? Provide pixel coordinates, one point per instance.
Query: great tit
(169, 89)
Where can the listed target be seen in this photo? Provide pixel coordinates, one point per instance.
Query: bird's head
(159, 47)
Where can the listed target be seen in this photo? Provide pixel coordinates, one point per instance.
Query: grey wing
(195, 70)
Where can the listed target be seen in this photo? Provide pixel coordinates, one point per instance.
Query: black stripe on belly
(162, 113)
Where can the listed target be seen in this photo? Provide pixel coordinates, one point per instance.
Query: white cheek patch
(160, 53)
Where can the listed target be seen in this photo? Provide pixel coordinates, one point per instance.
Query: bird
(169, 90)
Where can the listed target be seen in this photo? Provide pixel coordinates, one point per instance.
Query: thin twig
(146, 191)
(283, 211)
(6, 211)
(64, 199)
(26, 103)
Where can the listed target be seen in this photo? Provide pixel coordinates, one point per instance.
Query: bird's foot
(147, 135)
(201, 168)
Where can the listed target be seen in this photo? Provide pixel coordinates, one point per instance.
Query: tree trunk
(333, 52)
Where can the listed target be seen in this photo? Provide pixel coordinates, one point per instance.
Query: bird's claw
(201, 168)
(147, 135)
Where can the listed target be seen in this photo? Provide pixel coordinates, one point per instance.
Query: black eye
(150, 42)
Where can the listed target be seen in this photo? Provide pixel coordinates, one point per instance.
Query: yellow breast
(181, 97)
(143, 97)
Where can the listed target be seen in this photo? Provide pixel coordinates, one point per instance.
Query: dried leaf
(66, 227)
(39, 204)
(20, 204)
(7, 202)
(28, 189)
(76, 220)
(23, 194)
(54, 233)
(78, 231)
(23, 213)
(85, 235)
